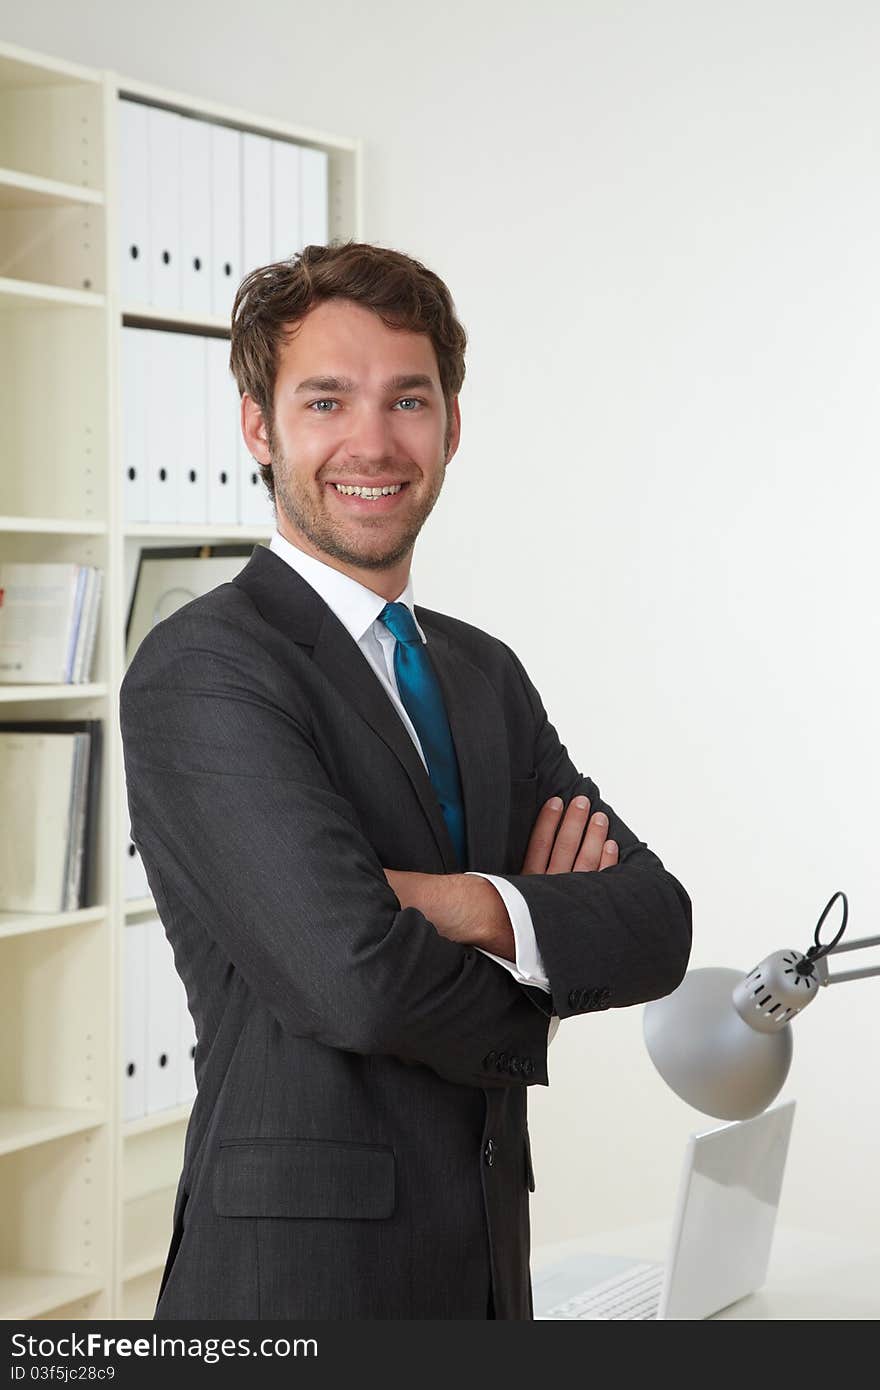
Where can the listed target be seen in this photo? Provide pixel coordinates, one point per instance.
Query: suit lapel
(475, 715)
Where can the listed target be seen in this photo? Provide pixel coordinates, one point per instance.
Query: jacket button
(489, 1152)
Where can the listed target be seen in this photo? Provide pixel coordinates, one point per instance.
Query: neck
(388, 583)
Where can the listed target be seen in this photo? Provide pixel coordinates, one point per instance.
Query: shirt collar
(356, 606)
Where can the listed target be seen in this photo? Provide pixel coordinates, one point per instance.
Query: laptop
(719, 1250)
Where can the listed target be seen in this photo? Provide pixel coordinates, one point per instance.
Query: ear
(454, 427)
(253, 429)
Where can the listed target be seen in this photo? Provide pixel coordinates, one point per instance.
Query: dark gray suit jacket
(358, 1147)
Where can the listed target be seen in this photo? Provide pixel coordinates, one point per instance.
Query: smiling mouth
(382, 502)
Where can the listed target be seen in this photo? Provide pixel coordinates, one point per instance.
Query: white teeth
(368, 491)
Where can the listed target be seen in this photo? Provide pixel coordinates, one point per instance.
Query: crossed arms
(238, 821)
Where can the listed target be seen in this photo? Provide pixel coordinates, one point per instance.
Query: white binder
(163, 1020)
(256, 201)
(134, 1021)
(163, 390)
(165, 259)
(186, 1076)
(133, 372)
(195, 215)
(134, 203)
(314, 192)
(226, 272)
(286, 229)
(224, 433)
(191, 433)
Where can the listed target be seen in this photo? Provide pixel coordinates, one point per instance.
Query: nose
(370, 434)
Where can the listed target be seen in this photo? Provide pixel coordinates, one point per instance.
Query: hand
(555, 843)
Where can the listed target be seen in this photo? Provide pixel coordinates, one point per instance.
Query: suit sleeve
(613, 937)
(234, 814)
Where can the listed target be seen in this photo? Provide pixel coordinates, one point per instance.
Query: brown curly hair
(402, 291)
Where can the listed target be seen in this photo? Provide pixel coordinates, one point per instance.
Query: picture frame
(168, 577)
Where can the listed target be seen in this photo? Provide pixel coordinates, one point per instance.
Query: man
(380, 871)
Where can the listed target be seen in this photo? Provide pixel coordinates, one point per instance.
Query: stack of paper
(49, 786)
(48, 622)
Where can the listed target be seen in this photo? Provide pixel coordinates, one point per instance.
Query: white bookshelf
(86, 1198)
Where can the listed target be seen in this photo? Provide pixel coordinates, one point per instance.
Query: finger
(542, 837)
(569, 835)
(609, 854)
(590, 852)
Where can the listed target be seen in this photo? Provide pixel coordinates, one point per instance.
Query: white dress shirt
(358, 609)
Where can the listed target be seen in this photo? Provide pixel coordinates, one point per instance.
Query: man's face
(356, 403)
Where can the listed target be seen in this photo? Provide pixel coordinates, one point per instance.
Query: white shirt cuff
(528, 967)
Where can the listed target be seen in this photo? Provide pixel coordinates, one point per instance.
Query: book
(50, 778)
(48, 622)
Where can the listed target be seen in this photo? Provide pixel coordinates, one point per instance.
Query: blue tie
(423, 701)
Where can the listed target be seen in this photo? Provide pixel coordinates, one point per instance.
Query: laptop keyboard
(633, 1294)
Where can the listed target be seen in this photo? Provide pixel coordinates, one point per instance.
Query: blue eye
(414, 400)
(312, 405)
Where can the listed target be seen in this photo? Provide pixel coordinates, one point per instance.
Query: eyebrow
(346, 387)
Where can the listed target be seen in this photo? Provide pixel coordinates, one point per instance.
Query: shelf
(146, 1232)
(19, 190)
(23, 1128)
(139, 315)
(140, 1294)
(159, 1119)
(87, 1197)
(25, 1295)
(229, 115)
(16, 694)
(51, 526)
(22, 924)
(145, 530)
(27, 294)
(134, 906)
(21, 67)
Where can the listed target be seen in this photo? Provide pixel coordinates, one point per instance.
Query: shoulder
(223, 621)
(490, 653)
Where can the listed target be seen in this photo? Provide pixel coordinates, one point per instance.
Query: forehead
(340, 337)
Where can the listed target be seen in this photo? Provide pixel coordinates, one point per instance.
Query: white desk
(811, 1275)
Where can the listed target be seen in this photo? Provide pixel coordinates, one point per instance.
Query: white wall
(660, 225)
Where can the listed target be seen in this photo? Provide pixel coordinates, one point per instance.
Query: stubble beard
(375, 548)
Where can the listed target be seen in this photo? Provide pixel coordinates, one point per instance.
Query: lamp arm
(840, 976)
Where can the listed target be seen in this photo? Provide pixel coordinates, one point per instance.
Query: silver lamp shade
(708, 1054)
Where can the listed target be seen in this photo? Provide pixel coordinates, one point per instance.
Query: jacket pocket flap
(304, 1178)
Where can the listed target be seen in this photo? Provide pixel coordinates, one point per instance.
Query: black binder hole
(132, 849)
(163, 474)
(133, 252)
(166, 257)
(192, 1053)
(224, 477)
(197, 262)
(130, 1069)
(192, 475)
(254, 479)
(227, 268)
(163, 1060)
(131, 474)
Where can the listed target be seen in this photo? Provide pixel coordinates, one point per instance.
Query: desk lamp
(722, 1040)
